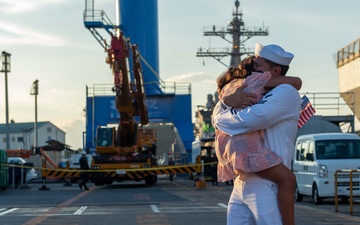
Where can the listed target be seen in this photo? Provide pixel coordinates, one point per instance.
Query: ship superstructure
(239, 35)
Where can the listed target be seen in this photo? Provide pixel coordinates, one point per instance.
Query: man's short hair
(284, 69)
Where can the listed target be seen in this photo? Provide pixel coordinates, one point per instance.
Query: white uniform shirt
(277, 112)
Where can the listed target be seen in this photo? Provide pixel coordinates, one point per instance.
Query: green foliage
(207, 127)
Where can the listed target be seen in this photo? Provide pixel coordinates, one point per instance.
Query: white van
(317, 157)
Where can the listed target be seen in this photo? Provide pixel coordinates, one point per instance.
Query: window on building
(20, 139)
(49, 129)
(4, 140)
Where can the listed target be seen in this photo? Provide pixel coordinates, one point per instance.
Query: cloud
(185, 77)
(18, 6)
(74, 131)
(209, 81)
(10, 6)
(200, 78)
(11, 34)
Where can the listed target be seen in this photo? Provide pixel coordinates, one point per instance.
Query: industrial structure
(348, 64)
(167, 102)
(122, 118)
(239, 34)
(204, 132)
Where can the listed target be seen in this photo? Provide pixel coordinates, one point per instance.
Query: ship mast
(239, 33)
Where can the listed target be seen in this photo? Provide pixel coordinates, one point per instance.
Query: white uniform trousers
(253, 202)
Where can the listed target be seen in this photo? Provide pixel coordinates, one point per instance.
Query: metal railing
(351, 172)
(348, 53)
(97, 16)
(332, 102)
(166, 87)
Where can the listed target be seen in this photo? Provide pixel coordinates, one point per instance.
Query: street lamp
(35, 91)
(5, 59)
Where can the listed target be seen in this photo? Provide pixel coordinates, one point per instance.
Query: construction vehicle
(124, 146)
(130, 145)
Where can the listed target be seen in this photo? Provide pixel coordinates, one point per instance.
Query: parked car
(316, 159)
(30, 172)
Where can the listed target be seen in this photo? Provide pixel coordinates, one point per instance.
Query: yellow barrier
(129, 173)
(350, 184)
(191, 168)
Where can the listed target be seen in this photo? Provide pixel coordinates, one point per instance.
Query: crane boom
(130, 97)
(132, 142)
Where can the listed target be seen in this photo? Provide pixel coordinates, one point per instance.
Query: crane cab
(105, 140)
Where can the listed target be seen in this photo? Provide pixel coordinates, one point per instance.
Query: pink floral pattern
(243, 152)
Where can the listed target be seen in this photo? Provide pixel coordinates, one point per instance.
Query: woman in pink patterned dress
(247, 152)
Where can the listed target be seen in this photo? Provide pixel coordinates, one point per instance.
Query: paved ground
(306, 212)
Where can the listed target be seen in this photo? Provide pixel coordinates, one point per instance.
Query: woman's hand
(240, 99)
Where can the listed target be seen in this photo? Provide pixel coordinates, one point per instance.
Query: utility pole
(5, 58)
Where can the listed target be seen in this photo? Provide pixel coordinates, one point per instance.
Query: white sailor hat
(274, 53)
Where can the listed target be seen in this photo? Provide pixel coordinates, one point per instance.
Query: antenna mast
(239, 33)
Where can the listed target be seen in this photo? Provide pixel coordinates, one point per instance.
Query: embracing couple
(256, 124)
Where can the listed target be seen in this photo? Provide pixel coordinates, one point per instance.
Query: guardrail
(350, 184)
(348, 53)
(168, 87)
(22, 173)
(332, 103)
(132, 172)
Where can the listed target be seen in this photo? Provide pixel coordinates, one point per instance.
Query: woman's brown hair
(245, 68)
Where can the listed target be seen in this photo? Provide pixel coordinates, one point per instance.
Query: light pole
(35, 91)
(5, 59)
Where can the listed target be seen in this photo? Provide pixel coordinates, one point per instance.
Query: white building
(22, 135)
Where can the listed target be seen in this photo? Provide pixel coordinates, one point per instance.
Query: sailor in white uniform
(254, 200)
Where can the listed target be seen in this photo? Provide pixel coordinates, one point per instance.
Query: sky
(48, 42)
